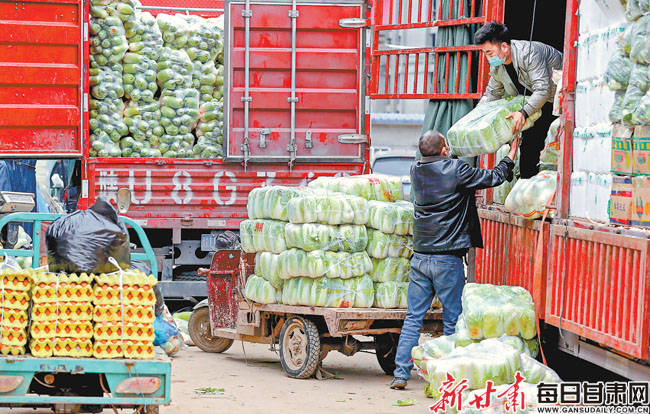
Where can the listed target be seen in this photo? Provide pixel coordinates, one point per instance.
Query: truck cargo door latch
(352, 139)
(308, 141)
(263, 134)
(354, 23)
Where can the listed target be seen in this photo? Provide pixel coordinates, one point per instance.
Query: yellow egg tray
(138, 350)
(67, 311)
(67, 292)
(49, 278)
(17, 274)
(14, 300)
(14, 318)
(132, 331)
(40, 348)
(131, 277)
(14, 283)
(105, 349)
(13, 336)
(131, 295)
(71, 347)
(132, 313)
(12, 350)
(65, 329)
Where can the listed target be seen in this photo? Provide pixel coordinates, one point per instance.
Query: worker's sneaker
(398, 383)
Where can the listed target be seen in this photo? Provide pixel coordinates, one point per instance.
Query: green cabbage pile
(108, 42)
(262, 236)
(139, 77)
(371, 187)
(618, 72)
(382, 245)
(548, 159)
(391, 295)
(636, 90)
(209, 131)
(327, 209)
(271, 202)
(485, 129)
(356, 292)
(390, 269)
(179, 110)
(106, 82)
(260, 290)
(174, 69)
(310, 236)
(143, 121)
(391, 218)
(174, 29)
(143, 35)
(106, 127)
(528, 197)
(318, 263)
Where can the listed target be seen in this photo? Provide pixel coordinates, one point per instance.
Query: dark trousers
(532, 142)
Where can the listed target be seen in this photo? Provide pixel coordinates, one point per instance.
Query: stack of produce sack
(485, 129)
(108, 46)
(495, 337)
(124, 315)
(61, 315)
(501, 192)
(529, 197)
(15, 285)
(549, 156)
(314, 246)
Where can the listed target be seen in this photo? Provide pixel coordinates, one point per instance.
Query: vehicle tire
(149, 409)
(199, 328)
(299, 347)
(386, 349)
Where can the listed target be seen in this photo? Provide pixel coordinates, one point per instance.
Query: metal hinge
(292, 148)
(352, 139)
(246, 150)
(247, 13)
(263, 133)
(294, 14)
(354, 22)
(308, 141)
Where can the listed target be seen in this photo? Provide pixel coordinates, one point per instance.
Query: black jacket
(445, 207)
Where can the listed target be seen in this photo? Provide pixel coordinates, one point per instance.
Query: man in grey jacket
(518, 66)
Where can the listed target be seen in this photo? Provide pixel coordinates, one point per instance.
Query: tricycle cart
(304, 334)
(73, 384)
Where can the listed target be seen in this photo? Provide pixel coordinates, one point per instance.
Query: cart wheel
(199, 327)
(299, 347)
(386, 349)
(149, 409)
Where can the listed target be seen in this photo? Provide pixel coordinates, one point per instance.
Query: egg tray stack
(61, 315)
(14, 300)
(123, 315)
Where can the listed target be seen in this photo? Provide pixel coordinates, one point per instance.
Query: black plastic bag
(84, 240)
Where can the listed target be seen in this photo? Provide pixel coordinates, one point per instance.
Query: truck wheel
(199, 327)
(386, 349)
(149, 409)
(299, 347)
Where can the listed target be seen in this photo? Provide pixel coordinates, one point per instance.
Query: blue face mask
(495, 61)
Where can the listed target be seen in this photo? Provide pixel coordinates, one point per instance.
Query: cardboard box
(641, 199)
(622, 156)
(641, 150)
(621, 205)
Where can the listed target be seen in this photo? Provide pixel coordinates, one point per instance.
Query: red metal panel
(169, 193)
(508, 255)
(599, 287)
(328, 81)
(40, 78)
(222, 279)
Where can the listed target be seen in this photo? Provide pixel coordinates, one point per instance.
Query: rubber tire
(149, 409)
(308, 369)
(211, 344)
(386, 349)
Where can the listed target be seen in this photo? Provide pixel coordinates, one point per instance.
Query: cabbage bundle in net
(204, 78)
(205, 39)
(371, 187)
(492, 311)
(382, 245)
(391, 295)
(107, 40)
(463, 337)
(260, 290)
(141, 149)
(267, 266)
(143, 121)
(310, 236)
(642, 114)
(174, 69)
(618, 71)
(439, 346)
(485, 129)
(176, 146)
(318, 263)
(106, 82)
(501, 192)
(179, 110)
(327, 209)
(616, 113)
(139, 77)
(528, 197)
(144, 36)
(636, 90)
(217, 92)
(640, 41)
(548, 159)
(271, 201)
(209, 131)
(390, 269)
(125, 10)
(106, 127)
(536, 372)
(391, 218)
(338, 293)
(175, 30)
(634, 9)
(262, 236)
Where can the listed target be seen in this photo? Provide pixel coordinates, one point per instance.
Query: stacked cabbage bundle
(501, 192)
(548, 158)
(628, 71)
(124, 315)
(14, 301)
(485, 129)
(61, 315)
(529, 197)
(108, 45)
(209, 131)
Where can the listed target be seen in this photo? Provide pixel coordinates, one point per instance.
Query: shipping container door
(294, 81)
(41, 61)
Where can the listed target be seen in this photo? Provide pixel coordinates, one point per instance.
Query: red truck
(300, 77)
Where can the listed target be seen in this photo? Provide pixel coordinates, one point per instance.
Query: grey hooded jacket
(534, 63)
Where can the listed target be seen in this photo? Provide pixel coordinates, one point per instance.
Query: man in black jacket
(446, 226)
